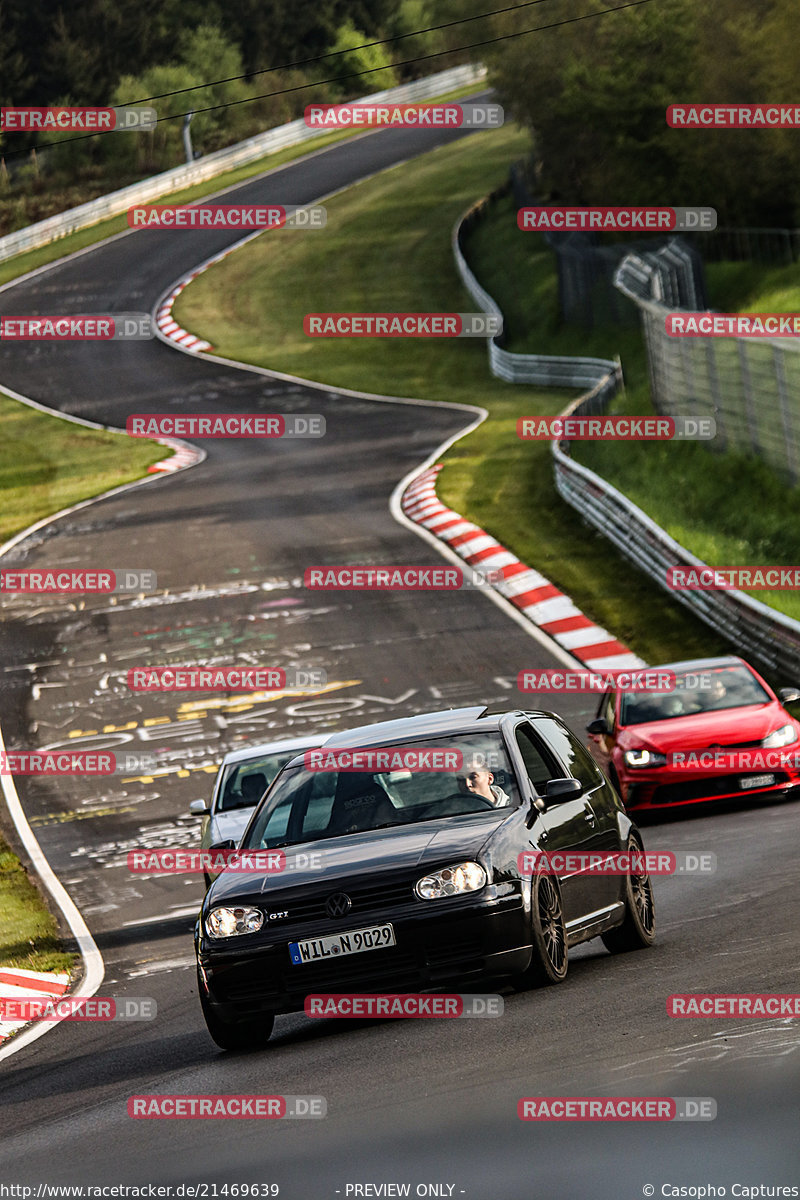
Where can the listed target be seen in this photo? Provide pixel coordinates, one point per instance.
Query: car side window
(579, 762)
(540, 768)
(277, 824)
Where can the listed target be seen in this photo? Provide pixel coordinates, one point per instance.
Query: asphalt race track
(419, 1103)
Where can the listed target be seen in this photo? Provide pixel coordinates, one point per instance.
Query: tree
(350, 60)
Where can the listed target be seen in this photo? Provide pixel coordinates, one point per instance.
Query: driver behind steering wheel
(478, 780)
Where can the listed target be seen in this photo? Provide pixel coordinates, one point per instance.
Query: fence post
(747, 392)
(779, 360)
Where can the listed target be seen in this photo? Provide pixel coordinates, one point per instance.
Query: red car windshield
(695, 692)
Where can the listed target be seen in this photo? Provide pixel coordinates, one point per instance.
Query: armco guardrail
(292, 134)
(750, 386)
(767, 636)
(542, 370)
(760, 632)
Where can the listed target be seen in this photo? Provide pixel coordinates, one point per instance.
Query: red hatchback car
(721, 734)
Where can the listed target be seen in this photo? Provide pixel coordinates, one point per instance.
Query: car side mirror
(563, 789)
(228, 844)
(556, 791)
(198, 806)
(598, 725)
(789, 695)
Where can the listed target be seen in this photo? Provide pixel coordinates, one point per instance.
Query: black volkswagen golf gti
(404, 846)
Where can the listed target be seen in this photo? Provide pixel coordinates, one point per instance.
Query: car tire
(239, 1035)
(638, 929)
(549, 961)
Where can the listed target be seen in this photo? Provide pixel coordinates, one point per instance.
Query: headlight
(228, 922)
(780, 737)
(452, 881)
(645, 758)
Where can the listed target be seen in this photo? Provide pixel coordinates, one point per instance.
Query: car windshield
(469, 774)
(244, 783)
(695, 692)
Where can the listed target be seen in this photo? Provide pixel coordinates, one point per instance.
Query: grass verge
(387, 248)
(28, 932)
(47, 464)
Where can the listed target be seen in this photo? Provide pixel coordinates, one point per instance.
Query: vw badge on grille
(338, 905)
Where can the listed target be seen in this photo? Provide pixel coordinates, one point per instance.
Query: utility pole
(187, 137)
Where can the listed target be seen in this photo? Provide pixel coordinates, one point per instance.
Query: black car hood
(428, 842)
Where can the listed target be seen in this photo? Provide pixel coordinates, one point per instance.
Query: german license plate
(355, 941)
(754, 781)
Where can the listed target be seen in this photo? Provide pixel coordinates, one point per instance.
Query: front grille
(710, 789)
(366, 898)
(723, 747)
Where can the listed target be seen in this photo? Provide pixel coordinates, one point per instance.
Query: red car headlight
(780, 737)
(644, 758)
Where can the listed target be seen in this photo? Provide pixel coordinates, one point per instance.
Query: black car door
(601, 815)
(566, 825)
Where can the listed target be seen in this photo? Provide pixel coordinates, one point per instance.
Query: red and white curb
(166, 325)
(16, 984)
(169, 326)
(535, 596)
(183, 455)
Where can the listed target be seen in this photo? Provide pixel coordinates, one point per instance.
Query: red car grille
(704, 789)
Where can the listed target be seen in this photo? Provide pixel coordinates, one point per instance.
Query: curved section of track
(410, 1103)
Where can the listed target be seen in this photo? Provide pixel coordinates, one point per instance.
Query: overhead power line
(305, 62)
(355, 74)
